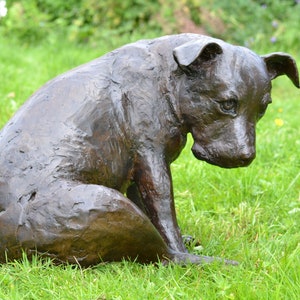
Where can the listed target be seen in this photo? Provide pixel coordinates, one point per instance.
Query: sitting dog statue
(85, 162)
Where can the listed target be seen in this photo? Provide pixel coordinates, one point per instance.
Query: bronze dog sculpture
(85, 162)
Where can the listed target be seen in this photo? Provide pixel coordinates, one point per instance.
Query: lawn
(251, 214)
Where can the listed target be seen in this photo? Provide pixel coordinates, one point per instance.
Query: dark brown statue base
(85, 162)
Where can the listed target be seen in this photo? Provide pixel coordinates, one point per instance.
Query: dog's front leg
(154, 182)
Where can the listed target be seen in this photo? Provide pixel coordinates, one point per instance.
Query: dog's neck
(173, 105)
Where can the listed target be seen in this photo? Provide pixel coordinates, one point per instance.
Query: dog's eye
(229, 106)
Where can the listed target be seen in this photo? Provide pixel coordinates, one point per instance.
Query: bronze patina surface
(85, 162)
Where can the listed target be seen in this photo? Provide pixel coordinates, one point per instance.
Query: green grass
(250, 214)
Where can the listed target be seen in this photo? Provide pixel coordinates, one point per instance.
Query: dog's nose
(247, 157)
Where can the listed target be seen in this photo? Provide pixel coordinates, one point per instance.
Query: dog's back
(89, 116)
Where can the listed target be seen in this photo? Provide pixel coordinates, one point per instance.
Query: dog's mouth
(213, 157)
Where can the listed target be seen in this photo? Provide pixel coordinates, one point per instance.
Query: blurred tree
(243, 22)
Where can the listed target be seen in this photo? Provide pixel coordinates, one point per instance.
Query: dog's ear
(194, 54)
(279, 63)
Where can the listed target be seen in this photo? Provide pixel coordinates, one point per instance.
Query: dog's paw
(187, 258)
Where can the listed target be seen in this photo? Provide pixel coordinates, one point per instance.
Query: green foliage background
(248, 23)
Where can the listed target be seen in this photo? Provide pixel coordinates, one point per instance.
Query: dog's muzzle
(227, 159)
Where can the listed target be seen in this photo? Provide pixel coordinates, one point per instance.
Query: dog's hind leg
(87, 224)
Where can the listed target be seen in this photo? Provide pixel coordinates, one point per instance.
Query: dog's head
(224, 90)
